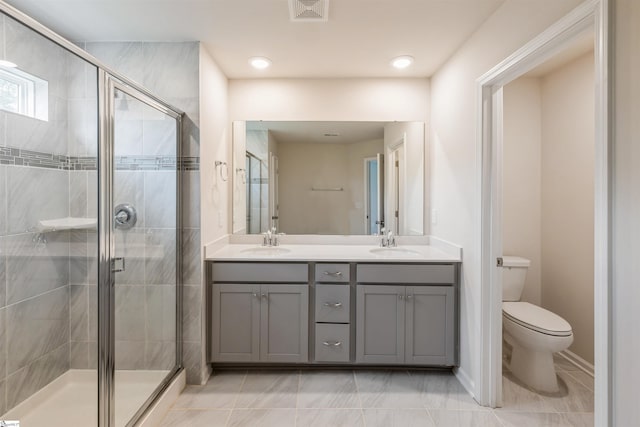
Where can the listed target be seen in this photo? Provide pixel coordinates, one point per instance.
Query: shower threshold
(71, 399)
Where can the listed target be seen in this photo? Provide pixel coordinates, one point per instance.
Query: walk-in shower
(90, 236)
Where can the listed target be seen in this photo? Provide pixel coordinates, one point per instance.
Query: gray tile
(78, 194)
(130, 244)
(516, 397)
(26, 381)
(35, 268)
(124, 57)
(269, 389)
(160, 355)
(582, 378)
(196, 418)
(79, 355)
(3, 272)
(191, 313)
(3, 345)
(191, 199)
(78, 254)
(190, 137)
(127, 133)
(328, 389)
(160, 256)
(450, 418)
(330, 417)
(221, 391)
(442, 390)
(3, 396)
(3, 198)
(31, 201)
(130, 314)
(397, 418)
(542, 419)
(129, 189)
(37, 326)
(171, 69)
(389, 389)
(92, 194)
(193, 361)
(160, 199)
(79, 313)
(262, 418)
(578, 398)
(191, 257)
(130, 355)
(159, 132)
(160, 313)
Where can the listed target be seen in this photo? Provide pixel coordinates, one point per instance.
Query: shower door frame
(107, 86)
(104, 164)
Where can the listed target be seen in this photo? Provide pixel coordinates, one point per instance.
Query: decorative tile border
(39, 159)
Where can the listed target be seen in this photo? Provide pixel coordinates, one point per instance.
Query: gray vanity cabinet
(405, 314)
(260, 323)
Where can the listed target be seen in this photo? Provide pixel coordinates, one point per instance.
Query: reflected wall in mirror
(340, 178)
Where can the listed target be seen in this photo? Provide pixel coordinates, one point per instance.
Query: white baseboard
(466, 381)
(578, 361)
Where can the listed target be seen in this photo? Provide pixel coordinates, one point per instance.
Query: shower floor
(71, 399)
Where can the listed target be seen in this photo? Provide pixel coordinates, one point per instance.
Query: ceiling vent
(309, 10)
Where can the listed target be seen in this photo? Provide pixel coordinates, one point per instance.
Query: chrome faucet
(384, 240)
(267, 238)
(391, 240)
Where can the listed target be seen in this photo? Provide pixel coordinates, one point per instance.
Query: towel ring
(224, 171)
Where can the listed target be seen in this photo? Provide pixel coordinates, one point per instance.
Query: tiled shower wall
(171, 71)
(35, 178)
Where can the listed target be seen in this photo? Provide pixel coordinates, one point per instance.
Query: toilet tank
(514, 272)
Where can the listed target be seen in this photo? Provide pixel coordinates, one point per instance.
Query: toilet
(533, 332)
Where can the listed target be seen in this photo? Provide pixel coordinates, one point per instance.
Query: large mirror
(338, 178)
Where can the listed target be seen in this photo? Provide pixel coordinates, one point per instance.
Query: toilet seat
(536, 318)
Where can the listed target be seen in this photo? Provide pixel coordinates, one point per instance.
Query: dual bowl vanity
(327, 304)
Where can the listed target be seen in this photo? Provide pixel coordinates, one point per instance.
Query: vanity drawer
(332, 273)
(406, 273)
(332, 343)
(332, 303)
(275, 272)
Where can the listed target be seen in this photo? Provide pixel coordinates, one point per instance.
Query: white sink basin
(394, 252)
(266, 251)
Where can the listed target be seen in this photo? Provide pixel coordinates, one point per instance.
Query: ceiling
(359, 39)
(316, 132)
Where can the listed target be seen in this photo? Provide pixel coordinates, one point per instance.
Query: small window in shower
(23, 93)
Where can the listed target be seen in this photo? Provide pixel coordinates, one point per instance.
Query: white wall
(626, 211)
(522, 203)
(215, 144)
(455, 166)
(568, 130)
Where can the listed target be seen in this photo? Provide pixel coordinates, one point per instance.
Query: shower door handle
(117, 265)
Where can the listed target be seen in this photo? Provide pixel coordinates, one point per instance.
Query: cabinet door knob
(333, 304)
(256, 295)
(332, 344)
(264, 296)
(400, 297)
(409, 296)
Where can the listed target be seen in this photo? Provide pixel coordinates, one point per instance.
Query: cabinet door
(284, 323)
(380, 315)
(430, 325)
(236, 323)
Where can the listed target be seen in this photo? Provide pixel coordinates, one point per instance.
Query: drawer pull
(332, 344)
(333, 273)
(333, 304)
(409, 296)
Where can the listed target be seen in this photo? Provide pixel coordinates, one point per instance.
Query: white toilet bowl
(535, 334)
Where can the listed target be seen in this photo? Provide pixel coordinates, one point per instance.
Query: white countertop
(331, 252)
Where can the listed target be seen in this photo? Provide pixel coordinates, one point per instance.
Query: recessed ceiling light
(402, 61)
(7, 64)
(259, 62)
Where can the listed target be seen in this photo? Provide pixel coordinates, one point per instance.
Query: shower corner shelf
(68, 223)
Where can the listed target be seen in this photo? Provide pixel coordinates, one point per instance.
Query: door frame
(591, 14)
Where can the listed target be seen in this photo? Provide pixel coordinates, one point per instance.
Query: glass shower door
(145, 235)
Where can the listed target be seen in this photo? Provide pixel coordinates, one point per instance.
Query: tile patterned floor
(373, 398)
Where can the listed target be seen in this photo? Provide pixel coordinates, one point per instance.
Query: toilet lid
(536, 318)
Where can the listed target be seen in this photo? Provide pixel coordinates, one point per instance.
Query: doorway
(491, 90)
